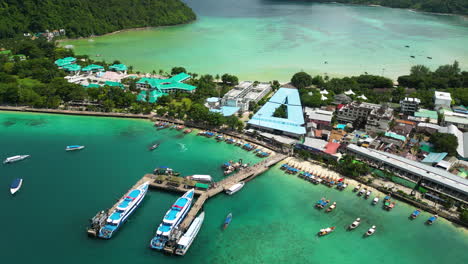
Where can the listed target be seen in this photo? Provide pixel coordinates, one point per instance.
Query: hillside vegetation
(82, 18)
(436, 6)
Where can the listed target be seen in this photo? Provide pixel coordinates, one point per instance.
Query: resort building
(442, 99)
(170, 85)
(434, 179)
(457, 119)
(245, 93)
(378, 119)
(122, 68)
(292, 125)
(319, 146)
(424, 115)
(65, 61)
(409, 105)
(93, 68)
(355, 110)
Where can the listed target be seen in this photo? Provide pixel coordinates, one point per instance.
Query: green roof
(65, 61)
(115, 84)
(426, 148)
(175, 82)
(93, 67)
(92, 85)
(424, 113)
(202, 185)
(395, 136)
(72, 67)
(118, 67)
(154, 95)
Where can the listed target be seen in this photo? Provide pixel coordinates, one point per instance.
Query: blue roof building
(175, 83)
(292, 125)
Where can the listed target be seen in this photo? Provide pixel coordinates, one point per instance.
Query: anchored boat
(201, 178)
(15, 158)
(326, 231)
(154, 146)
(370, 232)
(331, 208)
(124, 209)
(355, 224)
(227, 221)
(368, 193)
(187, 239)
(235, 188)
(415, 214)
(375, 201)
(16, 185)
(172, 219)
(74, 147)
(322, 203)
(432, 219)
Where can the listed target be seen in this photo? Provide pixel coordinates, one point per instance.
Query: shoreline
(72, 112)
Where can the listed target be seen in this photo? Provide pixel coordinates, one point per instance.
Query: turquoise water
(273, 216)
(266, 40)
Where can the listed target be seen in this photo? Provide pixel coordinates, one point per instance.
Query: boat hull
(196, 225)
(17, 187)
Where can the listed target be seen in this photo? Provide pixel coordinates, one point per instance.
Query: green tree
(177, 70)
(444, 143)
(301, 80)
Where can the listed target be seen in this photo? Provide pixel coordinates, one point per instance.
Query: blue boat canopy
(16, 182)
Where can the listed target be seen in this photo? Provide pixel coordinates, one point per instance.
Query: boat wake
(182, 146)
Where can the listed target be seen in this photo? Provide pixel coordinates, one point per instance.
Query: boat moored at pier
(235, 188)
(187, 239)
(432, 219)
(172, 219)
(201, 178)
(126, 206)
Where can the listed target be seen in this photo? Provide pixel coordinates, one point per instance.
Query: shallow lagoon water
(273, 216)
(266, 40)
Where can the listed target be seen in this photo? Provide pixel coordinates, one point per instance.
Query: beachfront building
(320, 146)
(434, 179)
(92, 68)
(378, 119)
(170, 85)
(355, 110)
(121, 68)
(409, 105)
(149, 96)
(442, 99)
(243, 94)
(292, 125)
(318, 118)
(65, 61)
(462, 139)
(452, 118)
(426, 116)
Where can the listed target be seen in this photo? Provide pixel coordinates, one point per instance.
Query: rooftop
(154, 95)
(425, 171)
(93, 67)
(318, 114)
(65, 61)
(424, 113)
(295, 120)
(118, 67)
(443, 96)
(434, 157)
(395, 136)
(226, 110)
(175, 82)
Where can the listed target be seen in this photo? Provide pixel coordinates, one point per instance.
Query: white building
(409, 105)
(442, 99)
(244, 93)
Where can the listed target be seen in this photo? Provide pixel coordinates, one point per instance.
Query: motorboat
(361, 192)
(322, 203)
(355, 224)
(375, 201)
(432, 219)
(227, 221)
(235, 188)
(357, 188)
(331, 208)
(15, 158)
(201, 178)
(326, 231)
(415, 214)
(16, 185)
(154, 146)
(370, 232)
(368, 193)
(74, 147)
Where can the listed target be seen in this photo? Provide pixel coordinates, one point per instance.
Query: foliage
(177, 70)
(229, 79)
(445, 76)
(281, 111)
(350, 168)
(84, 18)
(464, 215)
(444, 143)
(301, 80)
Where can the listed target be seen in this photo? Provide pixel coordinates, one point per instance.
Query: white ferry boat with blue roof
(124, 209)
(172, 220)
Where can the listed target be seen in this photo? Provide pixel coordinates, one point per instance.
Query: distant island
(435, 6)
(88, 17)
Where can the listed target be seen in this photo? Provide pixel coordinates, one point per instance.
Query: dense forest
(436, 6)
(81, 18)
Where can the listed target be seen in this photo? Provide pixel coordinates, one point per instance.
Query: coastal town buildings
(452, 118)
(378, 119)
(245, 93)
(318, 118)
(424, 115)
(159, 87)
(442, 99)
(292, 125)
(434, 179)
(409, 105)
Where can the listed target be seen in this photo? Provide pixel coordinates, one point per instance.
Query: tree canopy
(301, 80)
(444, 143)
(89, 17)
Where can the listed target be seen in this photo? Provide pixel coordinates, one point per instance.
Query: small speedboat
(375, 201)
(153, 147)
(370, 232)
(227, 221)
(16, 185)
(357, 188)
(355, 224)
(368, 193)
(415, 214)
(15, 158)
(74, 147)
(331, 208)
(432, 219)
(361, 192)
(326, 231)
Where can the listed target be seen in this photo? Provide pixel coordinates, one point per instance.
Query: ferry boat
(355, 224)
(187, 239)
(415, 214)
(235, 188)
(124, 209)
(172, 219)
(201, 178)
(326, 231)
(16, 185)
(15, 158)
(432, 219)
(74, 147)
(370, 232)
(227, 221)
